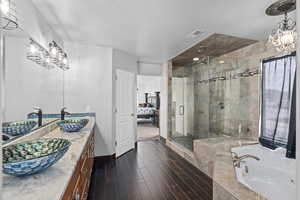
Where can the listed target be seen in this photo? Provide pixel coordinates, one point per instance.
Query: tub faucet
(238, 159)
(39, 113)
(63, 113)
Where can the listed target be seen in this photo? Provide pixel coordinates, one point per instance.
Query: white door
(125, 105)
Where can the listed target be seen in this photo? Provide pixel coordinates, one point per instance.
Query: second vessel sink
(18, 128)
(72, 125)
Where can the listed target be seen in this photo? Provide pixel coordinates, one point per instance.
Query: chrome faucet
(63, 113)
(39, 113)
(237, 160)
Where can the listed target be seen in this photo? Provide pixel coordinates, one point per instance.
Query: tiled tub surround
(213, 157)
(226, 114)
(273, 175)
(51, 183)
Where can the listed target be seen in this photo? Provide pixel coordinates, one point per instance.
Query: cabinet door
(86, 190)
(77, 193)
(78, 187)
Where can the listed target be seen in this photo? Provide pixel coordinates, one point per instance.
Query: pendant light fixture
(8, 15)
(58, 56)
(284, 36)
(48, 58)
(38, 54)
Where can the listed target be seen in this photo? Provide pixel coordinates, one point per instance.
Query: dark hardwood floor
(152, 172)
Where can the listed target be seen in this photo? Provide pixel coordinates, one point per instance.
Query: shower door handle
(181, 110)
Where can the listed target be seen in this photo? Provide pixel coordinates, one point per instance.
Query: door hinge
(116, 143)
(116, 77)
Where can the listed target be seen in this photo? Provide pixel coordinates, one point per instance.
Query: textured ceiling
(214, 46)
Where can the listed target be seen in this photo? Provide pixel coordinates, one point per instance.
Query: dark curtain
(278, 103)
(291, 145)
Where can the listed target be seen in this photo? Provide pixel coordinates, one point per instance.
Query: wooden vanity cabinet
(78, 187)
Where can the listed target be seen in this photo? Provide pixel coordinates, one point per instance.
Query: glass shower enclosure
(213, 100)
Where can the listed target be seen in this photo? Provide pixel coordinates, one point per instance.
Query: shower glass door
(183, 111)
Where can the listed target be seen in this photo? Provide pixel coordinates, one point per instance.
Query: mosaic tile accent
(57, 115)
(230, 75)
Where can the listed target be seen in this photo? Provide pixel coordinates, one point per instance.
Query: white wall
(164, 102)
(28, 84)
(88, 88)
(126, 62)
(150, 69)
(34, 23)
(147, 84)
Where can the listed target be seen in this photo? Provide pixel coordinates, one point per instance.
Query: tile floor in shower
(188, 141)
(185, 141)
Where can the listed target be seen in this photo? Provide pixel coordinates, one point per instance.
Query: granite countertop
(51, 183)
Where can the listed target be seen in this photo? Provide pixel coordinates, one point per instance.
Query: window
(278, 108)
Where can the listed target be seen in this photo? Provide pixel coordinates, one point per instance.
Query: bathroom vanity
(78, 186)
(68, 179)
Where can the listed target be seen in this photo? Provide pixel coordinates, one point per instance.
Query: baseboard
(100, 160)
(162, 140)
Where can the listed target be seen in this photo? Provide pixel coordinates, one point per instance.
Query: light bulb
(196, 59)
(54, 51)
(47, 60)
(65, 61)
(60, 56)
(287, 37)
(33, 49)
(4, 7)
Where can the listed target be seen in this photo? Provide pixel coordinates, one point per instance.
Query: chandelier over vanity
(48, 58)
(284, 36)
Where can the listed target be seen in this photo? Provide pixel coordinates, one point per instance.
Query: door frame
(134, 93)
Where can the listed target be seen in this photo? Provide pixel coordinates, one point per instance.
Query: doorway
(148, 107)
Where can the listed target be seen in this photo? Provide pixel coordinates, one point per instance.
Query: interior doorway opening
(148, 107)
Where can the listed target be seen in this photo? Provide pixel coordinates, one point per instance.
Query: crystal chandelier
(8, 15)
(284, 36)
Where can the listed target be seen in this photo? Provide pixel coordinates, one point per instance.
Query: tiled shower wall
(227, 96)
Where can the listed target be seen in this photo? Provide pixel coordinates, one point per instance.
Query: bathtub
(273, 176)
